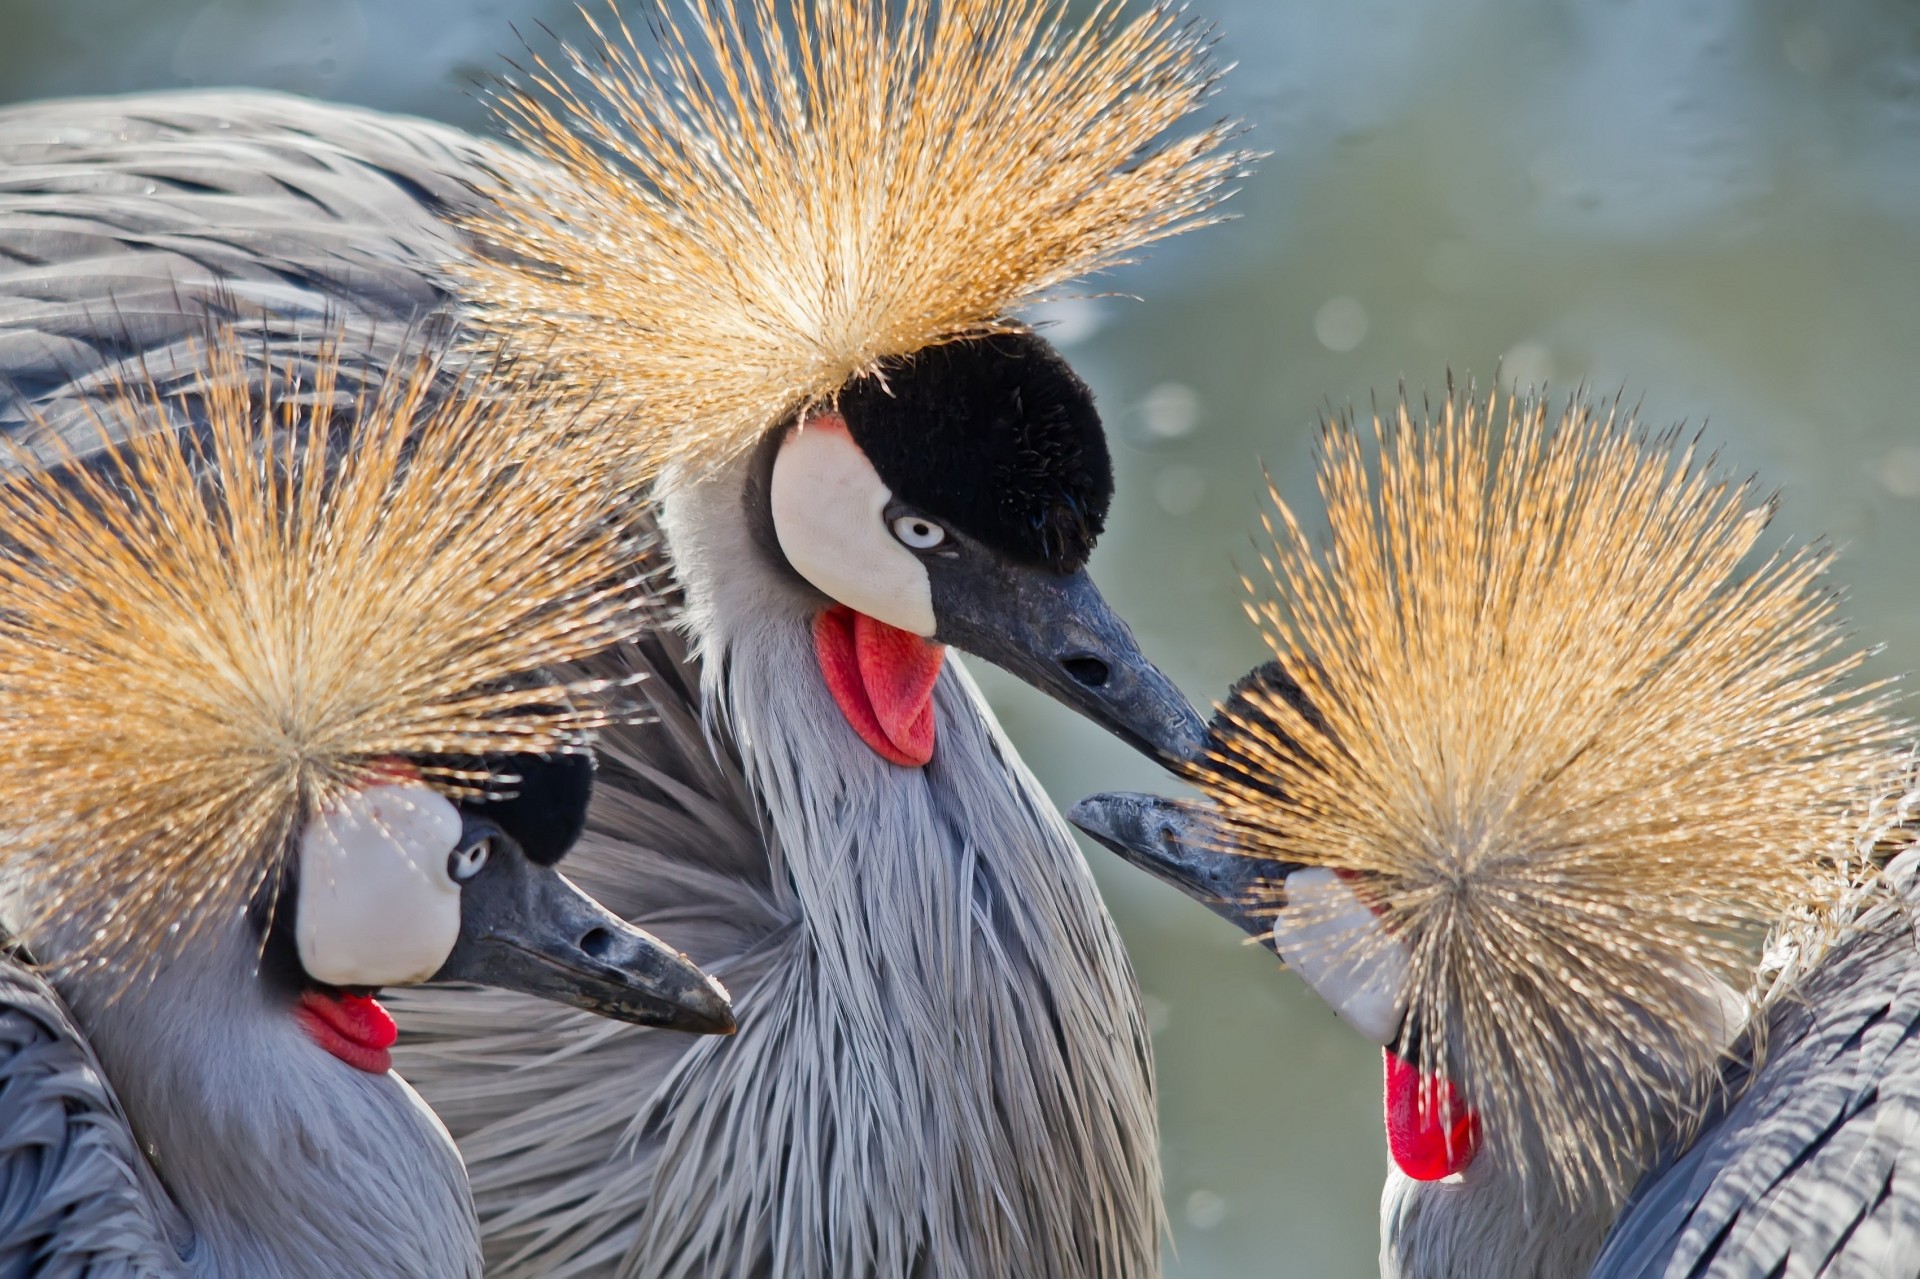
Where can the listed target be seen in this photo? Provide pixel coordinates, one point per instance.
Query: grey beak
(526, 927)
(1176, 843)
(1054, 631)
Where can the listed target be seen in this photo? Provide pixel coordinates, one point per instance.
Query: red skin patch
(390, 770)
(1431, 1131)
(354, 1028)
(882, 679)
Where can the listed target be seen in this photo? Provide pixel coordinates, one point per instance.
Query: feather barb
(781, 194)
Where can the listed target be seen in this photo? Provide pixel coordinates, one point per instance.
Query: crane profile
(278, 737)
(1549, 742)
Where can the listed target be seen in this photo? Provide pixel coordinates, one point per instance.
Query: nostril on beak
(597, 942)
(1090, 672)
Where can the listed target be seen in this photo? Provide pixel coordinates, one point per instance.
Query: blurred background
(1711, 205)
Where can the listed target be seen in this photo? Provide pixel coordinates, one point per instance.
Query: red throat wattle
(882, 679)
(1431, 1131)
(354, 1028)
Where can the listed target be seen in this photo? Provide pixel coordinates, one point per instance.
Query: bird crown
(226, 616)
(1574, 737)
(787, 193)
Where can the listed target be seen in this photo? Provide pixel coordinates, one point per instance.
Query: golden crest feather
(789, 192)
(1576, 742)
(205, 634)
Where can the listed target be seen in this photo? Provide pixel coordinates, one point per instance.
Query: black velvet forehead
(546, 809)
(995, 437)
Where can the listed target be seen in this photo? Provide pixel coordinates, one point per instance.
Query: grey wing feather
(1814, 1167)
(125, 223)
(676, 844)
(77, 1197)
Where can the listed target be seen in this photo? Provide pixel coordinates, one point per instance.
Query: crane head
(1545, 748)
(245, 659)
(833, 233)
(397, 885)
(955, 499)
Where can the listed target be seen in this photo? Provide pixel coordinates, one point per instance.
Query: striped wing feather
(1814, 1169)
(77, 1198)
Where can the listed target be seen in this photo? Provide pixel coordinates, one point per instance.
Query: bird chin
(882, 679)
(350, 1027)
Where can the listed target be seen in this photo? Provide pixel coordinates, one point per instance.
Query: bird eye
(918, 533)
(464, 863)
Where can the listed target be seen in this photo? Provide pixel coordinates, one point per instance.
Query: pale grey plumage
(268, 1160)
(125, 223)
(942, 1067)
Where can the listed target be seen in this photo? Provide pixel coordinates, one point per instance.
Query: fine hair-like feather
(267, 587)
(1575, 739)
(788, 192)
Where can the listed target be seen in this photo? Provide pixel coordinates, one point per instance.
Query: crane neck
(271, 1159)
(951, 1070)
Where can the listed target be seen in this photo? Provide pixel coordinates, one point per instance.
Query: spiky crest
(788, 192)
(1577, 746)
(206, 633)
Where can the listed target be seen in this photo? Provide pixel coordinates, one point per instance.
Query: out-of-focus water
(1711, 204)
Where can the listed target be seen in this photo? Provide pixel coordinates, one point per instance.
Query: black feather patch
(545, 810)
(1246, 713)
(996, 437)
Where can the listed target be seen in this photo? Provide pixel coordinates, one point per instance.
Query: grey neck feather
(1482, 1225)
(277, 1160)
(961, 1083)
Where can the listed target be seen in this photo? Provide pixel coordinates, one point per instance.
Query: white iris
(917, 533)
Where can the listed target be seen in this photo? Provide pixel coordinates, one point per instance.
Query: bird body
(942, 1067)
(1805, 1161)
(1809, 1162)
(234, 662)
(901, 929)
(1547, 749)
(128, 221)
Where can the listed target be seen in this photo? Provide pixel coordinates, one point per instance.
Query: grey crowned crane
(792, 244)
(1550, 744)
(276, 738)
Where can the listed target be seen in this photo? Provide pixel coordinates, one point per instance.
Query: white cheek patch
(376, 905)
(828, 504)
(1342, 950)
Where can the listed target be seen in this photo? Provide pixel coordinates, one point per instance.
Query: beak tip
(721, 1024)
(1113, 819)
(717, 1012)
(1089, 815)
(692, 1016)
(693, 1002)
(1170, 840)
(1178, 737)
(1189, 738)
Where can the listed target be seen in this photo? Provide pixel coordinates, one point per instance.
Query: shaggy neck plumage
(1483, 1225)
(277, 1160)
(959, 1082)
